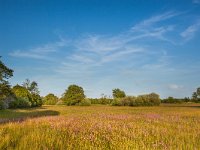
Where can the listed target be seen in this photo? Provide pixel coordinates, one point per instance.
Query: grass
(101, 127)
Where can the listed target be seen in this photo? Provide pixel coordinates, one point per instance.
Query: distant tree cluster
(104, 100)
(120, 99)
(151, 99)
(195, 98)
(175, 100)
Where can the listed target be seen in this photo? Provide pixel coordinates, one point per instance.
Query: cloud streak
(190, 31)
(40, 52)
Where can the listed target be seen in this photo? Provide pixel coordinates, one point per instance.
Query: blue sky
(138, 46)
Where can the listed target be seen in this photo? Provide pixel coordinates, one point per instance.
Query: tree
(50, 99)
(32, 87)
(36, 100)
(5, 72)
(198, 92)
(21, 92)
(24, 94)
(117, 93)
(5, 90)
(154, 99)
(73, 95)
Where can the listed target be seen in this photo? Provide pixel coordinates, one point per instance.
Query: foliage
(116, 102)
(5, 89)
(196, 95)
(20, 103)
(50, 99)
(73, 95)
(5, 72)
(117, 93)
(151, 99)
(23, 94)
(36, 100)
(171, 99)
(32, 87)
(85, 102)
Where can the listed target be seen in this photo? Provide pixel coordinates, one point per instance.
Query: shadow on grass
(19, 115)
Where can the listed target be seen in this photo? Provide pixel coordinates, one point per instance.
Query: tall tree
(117, 93)
(5, 72)
(198, 92)
(73, 95)
(5, 90)
(32, 87)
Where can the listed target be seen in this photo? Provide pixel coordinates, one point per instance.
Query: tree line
(28, 95)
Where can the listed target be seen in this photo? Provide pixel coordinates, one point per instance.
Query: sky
(138, 46)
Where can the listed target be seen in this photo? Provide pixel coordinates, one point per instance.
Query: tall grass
(104, 127)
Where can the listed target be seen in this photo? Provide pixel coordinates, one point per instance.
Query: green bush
(20, 103)
(116, 102)
(85, 102)
(50, 99)
(151, 99)
(2, 106)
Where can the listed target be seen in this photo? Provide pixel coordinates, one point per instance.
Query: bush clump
(20, 103)
(151, 99)
(85, 102)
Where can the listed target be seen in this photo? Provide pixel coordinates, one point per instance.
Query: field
(101, 127)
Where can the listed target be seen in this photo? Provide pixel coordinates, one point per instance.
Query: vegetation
(101, 127)
(24, 98)
(6, 96)
(50, 99)
(117, 93)
(151, 99)
(73, 95)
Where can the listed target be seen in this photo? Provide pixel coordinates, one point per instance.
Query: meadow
(169, 126)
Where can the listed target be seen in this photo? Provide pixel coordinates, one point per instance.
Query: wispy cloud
(190, 31)
(175, 87)
(196, 1)
(100, 50)
(40, 52)
(155, 19)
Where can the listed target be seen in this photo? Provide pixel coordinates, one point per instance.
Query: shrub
(36, 100)
(85, 102)
(50, 99)
(2, 105)
(141, 100)
(20, 103)
(116, 102)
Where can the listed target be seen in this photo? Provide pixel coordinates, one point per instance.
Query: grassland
(101, 127)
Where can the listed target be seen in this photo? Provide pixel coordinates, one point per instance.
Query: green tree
(21, 92)
(117, 93)
(32, 87)
(198, 92)
(24, 94)
(50, 99)
(154, 99)
(36, 100)
(5, 89)
(73, 95)
(194, 96)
